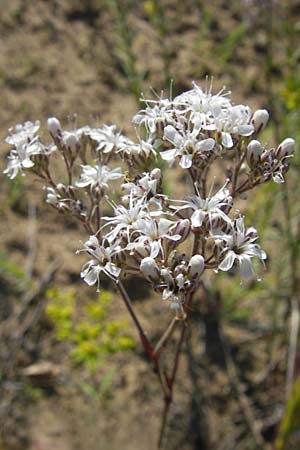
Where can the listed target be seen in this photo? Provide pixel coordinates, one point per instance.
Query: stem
(292, 351)
(145, 341)
(236, 172)
(171, 380)
(167, 334)
(68, 167)
(294, 302)
(98, 217)
(195, 245)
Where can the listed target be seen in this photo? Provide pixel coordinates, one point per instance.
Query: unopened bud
(51, 196)
(266, 156)
(286, 148)
(180, 269)
(254, 152)
(260, 119)
(183, 228)
(71, 192)
(167, 277)
(196, 266)
(156, 174)
(92, 243)
(71, 141)
(141, 250)
(54, 126)
(150, 269)
(61, 189)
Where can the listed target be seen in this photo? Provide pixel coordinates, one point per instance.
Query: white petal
(228, 261)
(227, 140)
(206, 145)
(112, 269)
(92, 276)
(197, 218)
(172, 135)
(27, 163)
(169, 155)
(155, 249)
(245, 130)
(176, 237)
(186, 161)
(246, 267)
(164, 225)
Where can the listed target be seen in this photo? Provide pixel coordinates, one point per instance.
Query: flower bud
(183, 228)
(260, 119)
(150, 269)
(54, 126)
(141, 250)
(254, 152)
(167, 277)
(196, 266)
(156, 174)
(180, 281)
(286, 148)
(266, 156)
(92, 243)
(61, 189)
(180, 269)
(51, 196)
(71, 141)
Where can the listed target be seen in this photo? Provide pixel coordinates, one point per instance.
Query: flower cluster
(173, 242)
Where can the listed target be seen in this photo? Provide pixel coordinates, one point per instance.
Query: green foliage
(236, 298)
(7, 267)
(102, 389)
(225, 50)
(93, 337)
(290, 424)
(291, 92)
(13, 192)
(32, 392)
(157, 16)
(260, 211)
(124, 48)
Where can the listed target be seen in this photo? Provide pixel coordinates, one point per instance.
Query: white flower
(23, 133)
(98, 176)
(125, 219)
(185, 146)
(215, 112)
(240, 246)
(151, 116)
(20, 157)
(203, 106)
(236, 120)
(101, 262)
(153, 234)
(206, 209)
(143, 186)
(107, 138)
(143, 149)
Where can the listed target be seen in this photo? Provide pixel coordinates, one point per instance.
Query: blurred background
(72, 371)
